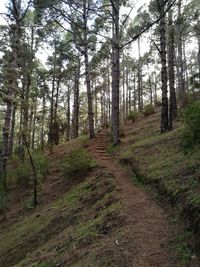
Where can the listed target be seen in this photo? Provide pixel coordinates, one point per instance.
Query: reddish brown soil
(147, 230)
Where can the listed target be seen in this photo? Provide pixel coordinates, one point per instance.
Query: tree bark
(76, 103)
(87, 71)
(164, 110)
(12, 131)
(140, 89)
(15, 38)
(173, 105)
(115, 71)
(181, 81)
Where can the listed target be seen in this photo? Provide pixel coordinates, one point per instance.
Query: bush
(77, 163)
(2, 200)
(24, 171)
(23, 174)
(149, 110)
(84, 141)
(191, 130)
(41, 164)
(133, 115)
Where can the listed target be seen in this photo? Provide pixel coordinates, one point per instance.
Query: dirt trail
(148, 229)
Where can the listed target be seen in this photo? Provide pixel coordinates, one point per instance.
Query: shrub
(77, 163)
(191, 130)
(23, 174)
(84, 141)
(2, 200)
(133, 115)
(41, 164)
(24, 171)
(149, 110)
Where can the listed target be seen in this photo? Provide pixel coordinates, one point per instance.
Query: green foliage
(149, 110)
(77, 163)
(111, 148)
(84, 140)
(41, 164)
(2, 200)
(133, 115)
(191, 130)
(24, 170)
(23, 174)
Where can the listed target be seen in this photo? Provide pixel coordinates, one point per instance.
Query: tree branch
(135, 37)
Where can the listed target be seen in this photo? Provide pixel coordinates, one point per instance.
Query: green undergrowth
(88, 216)
(77, 163)
(22, 173)
(159, 161)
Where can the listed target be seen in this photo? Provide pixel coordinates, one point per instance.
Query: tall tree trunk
(151, 91)
(155, 91)
(87, 70)
(68, 115)
(95, 107)
(164, 111)
(12, 82)
(198, 55)
(115, 71)
(51, 120)
(123, 92)
(186, 77)
(173, 105)
(12, 131)
(181, 81)
(134, 93)
(109, 101)
(43, 116)
(34, 124)
(76, 102)
(140, 85)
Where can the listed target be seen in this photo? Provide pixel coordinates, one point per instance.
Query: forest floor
(111, 216)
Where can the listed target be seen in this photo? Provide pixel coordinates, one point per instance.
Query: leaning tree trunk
(173, 105)
(164, 111)
(115, 72)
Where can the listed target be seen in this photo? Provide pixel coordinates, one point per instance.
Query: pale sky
(136, 3)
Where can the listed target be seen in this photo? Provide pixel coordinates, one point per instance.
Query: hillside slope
(100, 219)
(159, 161)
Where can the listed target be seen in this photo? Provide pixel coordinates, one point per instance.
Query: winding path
(148, 228)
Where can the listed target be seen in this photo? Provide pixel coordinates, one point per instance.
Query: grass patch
(75, 216)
